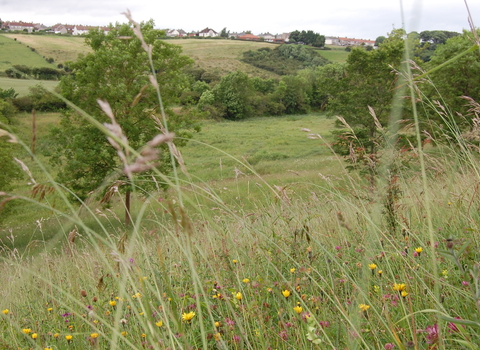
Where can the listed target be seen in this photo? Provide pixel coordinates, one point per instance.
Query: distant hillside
(14, 52)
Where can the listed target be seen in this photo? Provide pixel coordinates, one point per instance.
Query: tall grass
(318, 268)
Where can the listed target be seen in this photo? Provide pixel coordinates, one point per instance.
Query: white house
(267, 37)
(30, 27)
(176, 32)
(207, 32)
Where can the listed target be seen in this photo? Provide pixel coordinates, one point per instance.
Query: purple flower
(236, 339)
(388, 346)
(131, 261)
(338, 247)
(465, 283)
(324, 324)
(432, 334)
(283, 334)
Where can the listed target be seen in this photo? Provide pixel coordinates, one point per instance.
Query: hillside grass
(15, 52)
(60, 48)
(335, 55)
(22, 86)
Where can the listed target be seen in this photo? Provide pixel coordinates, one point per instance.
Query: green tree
(117, 71)
(224, 33)
(457, 79)
(379, 40)
(234, 93)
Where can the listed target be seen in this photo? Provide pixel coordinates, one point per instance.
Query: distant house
(267, 37)
(207, 32)
(176, 33)
(352, 42)
(282, 38)
(11, 26)
(80, 30)
(62, 28)
(249, 37)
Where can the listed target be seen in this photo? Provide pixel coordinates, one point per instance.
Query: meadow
(264, 240)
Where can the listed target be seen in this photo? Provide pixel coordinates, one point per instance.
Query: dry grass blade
(138, 31)
(11, 137)
(25, 169)
(377, 122)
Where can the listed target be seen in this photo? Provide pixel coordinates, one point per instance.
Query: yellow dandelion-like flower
(298, 309)
(380, 272)
(372, 266)
(292, 270)
(48, 348)
(26, 330)
(159, 324)
(34, 336)
(398, 287)
(376, 289)
(69, 338)
(141, 313)
(124, 333)
(56, 335)
(217, 336)
(144, 335)
(235, 261)
(50, 309)
(5, 312)
(94, 335)
(404, 293)
(286, 293)
(238, 296)
(187, 317)
(218, 324)
(364, 307)
(112, 302)
(107, 312)
(246, 280)
(419, 250)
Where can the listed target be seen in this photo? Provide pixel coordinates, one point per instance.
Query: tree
(234, 93)
(224, 33)
(10, 170)
(459, 78)
(117, 71)
(379, 40)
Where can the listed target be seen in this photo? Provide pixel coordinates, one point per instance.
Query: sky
(365, 19)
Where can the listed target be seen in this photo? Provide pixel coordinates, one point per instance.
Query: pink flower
(283, 334)
(432, 334)
(388, 346)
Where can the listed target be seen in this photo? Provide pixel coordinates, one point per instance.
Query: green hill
(15, 52)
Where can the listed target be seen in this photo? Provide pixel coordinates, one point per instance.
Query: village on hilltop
(69, 29)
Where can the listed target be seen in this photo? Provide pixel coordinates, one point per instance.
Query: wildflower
(246, 280)
(235, 261)
(107, 312)
(144, 335)
(50, 309)
(94, 335)
(48, 348)
(83, 293)
(26, 330)
(372, 266)
(376, 289)
(388, 346)
(419, 250)
(69, 338)
(292, 270)
(380, 272)
(112, 302)
(269, 290)
(324, 324)
(432, 334)
(298, 309)
(283, 334)
(445, 273)
(364, 307)
(398, 287)
(404, 293)
(34, 336)
(5, 312)
(286, 293)
(124, 333)
(159, 324)
(187, 317)
(238, 296)
(465, 283)
(56, 335)
(217, 336)
(218, 324)
(123, 321)
(141, 313)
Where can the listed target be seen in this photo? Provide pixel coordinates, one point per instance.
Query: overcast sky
(366, 19)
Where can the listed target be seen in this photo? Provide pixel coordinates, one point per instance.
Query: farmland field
(14, 52)
(21, 85)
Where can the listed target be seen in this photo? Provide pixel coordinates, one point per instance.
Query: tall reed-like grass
(346, 267)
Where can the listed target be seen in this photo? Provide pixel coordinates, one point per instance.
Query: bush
(24, 103)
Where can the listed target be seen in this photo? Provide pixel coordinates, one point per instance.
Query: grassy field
(336, 54)
(14, 52)
(60, 48)
(22, 86)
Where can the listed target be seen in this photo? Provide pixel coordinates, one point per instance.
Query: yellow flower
(218, 324)
(292, 270)
(48, 348)
(34, 336)
(187, 317)
(364, 307)
(112, 302)
(26, 330)
(238, 296)
(376, 289)
(141, 313)
(217, 336)
(398, 287)
(380, 272)
(246, 280)
(159, 323)
(445, 273)
(286, 293)
(124, 333)
(144, 335)
(419, 250)
(5, 312)
(107, 312)
(298, 309)
(50, 309)
(94, 335)
(235, 261)
(372, 266)
(269, 290)
(56, 335)
(68, 338)
(404, 293)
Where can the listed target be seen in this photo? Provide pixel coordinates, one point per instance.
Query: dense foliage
(284, 59)
(307, 37)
